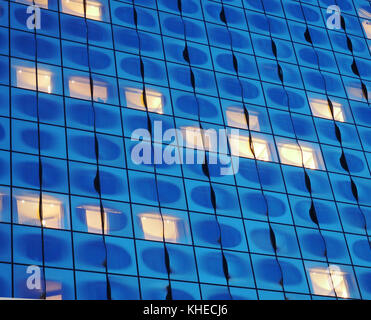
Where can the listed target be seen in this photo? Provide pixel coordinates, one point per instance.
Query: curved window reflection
(326, 280)
(320, 108)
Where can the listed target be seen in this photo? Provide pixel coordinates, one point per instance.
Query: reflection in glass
(325, 280)
(154, 229)
(320, 108)
(28, 211)
(76, 7)
(236, 118)
(94, 218)
(134, 100)
(80, 88)
(292, 154)
(240, 147)
(26, 78)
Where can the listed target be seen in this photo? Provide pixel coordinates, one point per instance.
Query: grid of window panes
(295, 136)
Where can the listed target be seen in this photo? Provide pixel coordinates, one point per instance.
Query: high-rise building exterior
(185, 149)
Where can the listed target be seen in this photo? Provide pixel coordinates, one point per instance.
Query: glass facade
(90, 87)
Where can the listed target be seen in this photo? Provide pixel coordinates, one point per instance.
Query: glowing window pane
(76, 7)
(236, 118)
(240, 147)
(153, 228)
(134, 100)
(320, 108)
(28, 211)
(292, 154)
(94, 219)
(80, 88)
(325, 280)
(26, 78)
(196, 139)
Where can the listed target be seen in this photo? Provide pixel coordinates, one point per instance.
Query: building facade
(185, 149)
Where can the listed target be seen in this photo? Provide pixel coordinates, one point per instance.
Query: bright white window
(327, 281)
(26, 78)
(240, 147)
(134, 99)
(320, 108)
(76, 7)
(80, 88)
(155, 229)
(236, 118)
(28, 211)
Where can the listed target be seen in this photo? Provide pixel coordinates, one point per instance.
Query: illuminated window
(367, 27)
(240, 147)
(76, 7)
(196, 139)
(236, 118)
(28, 211)
(325, 280)
(134, 100)
(153, 229)
(94, 218)
(80, 88)
(320, 108)
(292, 154)
(26, 78)
(40, 3)
(53, 290)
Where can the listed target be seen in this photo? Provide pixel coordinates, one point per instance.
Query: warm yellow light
(39, 3)
(80, 88)
(76, 7)
(240, 147)
(28, 211)
(236, 118)
(53, 290)
(154, 229)
(294, 155)
(134, 100)
(367, 27)
(325, 280)
(94, 218)
(26, 78)
(195, 138)
(320, 108)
